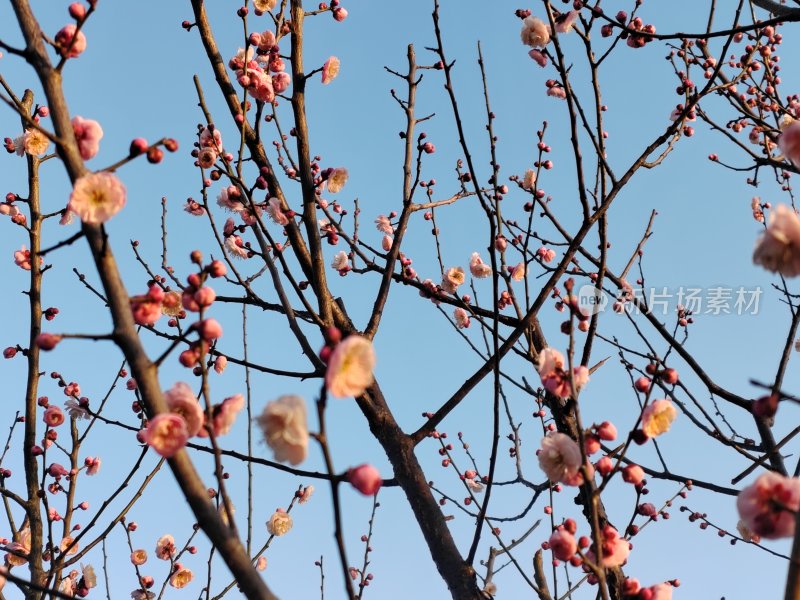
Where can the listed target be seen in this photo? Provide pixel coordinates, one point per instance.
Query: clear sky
(135, 78)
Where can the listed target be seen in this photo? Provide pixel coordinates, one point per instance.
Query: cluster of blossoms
(168, 432)
(148, 308)
(53, 417)
(22, 258)
(642, 37)
(536, 33)
(555, 379)
(260, 68)
(95, 197)
(166, 550)
(78, 583)
(350, 365)
(564, 545)
(34, 142)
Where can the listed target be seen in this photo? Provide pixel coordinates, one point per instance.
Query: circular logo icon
(591, 300)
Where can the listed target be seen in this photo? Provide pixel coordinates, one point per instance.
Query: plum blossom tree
(520, 273)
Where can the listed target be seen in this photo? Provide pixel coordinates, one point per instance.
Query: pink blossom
(275, 212)
(9, 210)
(615, 548)
(539, 57)
(535, 32)
(758, 211)
(139, 557)
(285, 430)
(261, 564)
(33, 141)
(166, 434)
(230, 198)
(53, 416)
(165, 547)
(279, 523)
(546, 254)
(20, 545)
(223, 415)
(386, 243)
(478, 268)
(211, 138)
(633, 474)
(96, 197)
(341, 262)
(474, 485)
(555, 379)
(330, 69)
(305, 495)
(657, 417)
(147, 308)
(789, 143)
(461, 317)
(557, 91)
(209, 329)
(281, 82)
(384, 225)
(366, 479)
(529, 180)
(220, 363)
(350, 367)
(560, 459)
(518, 272)
(606, 431)
(747, 535)
(171, 305)
(70, 43)
(235, 247)
(47, 341)
(22, 258)
(452, 278)
(181, 577)
(778, 248)
(88, 134)
(206, 158)
(660, 591)
(768, 506)
(92, 465)
(68, 545)
(565, 22)
(563, 544)
(182, 401)
(264, 5)
(604, 466)
(194, 208)
(337, 179)
(260, 83)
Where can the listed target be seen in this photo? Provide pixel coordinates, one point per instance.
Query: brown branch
(125, 333)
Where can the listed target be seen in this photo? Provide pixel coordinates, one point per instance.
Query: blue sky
(136, 79)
